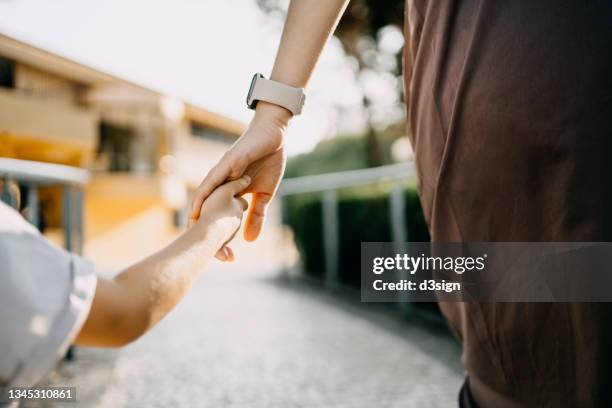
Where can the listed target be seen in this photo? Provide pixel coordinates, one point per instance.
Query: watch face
(251, 104)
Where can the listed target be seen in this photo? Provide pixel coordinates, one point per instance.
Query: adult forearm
(308, 26)
(259, 151)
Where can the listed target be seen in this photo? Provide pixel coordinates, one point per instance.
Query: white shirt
(45, 297)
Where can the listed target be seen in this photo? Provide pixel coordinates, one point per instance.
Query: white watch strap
(279, 94)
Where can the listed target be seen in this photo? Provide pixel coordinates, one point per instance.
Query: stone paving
(248, 340)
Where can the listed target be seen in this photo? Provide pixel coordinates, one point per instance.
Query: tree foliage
(342, 153)
(362, 18)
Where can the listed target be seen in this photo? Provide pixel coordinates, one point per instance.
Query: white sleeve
(45, 297)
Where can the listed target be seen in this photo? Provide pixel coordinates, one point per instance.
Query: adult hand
(259, 154)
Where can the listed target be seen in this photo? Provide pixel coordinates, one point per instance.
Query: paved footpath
(247, 340)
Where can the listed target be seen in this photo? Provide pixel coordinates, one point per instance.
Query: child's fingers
(230, 254)
(214, 178)
(243, 203)
(221, 254)
(238, 185)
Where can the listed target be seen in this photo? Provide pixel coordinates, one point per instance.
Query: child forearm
(127, 306)
(158, 282)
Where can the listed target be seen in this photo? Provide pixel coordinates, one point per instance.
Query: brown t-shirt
(510, 112)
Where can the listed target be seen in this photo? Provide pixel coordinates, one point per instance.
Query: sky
(201, 51)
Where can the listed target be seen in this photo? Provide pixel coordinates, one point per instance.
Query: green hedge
(363, 216)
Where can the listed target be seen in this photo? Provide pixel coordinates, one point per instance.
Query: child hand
(222, 212)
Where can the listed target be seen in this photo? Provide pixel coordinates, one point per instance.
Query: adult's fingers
(215, 177)
(257, 214)
(239, 185)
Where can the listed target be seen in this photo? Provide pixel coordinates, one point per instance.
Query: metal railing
(329, 184)
(30, 176)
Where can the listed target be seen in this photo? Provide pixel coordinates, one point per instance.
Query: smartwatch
(286, 96)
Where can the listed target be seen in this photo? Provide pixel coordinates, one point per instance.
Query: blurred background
(112, 112)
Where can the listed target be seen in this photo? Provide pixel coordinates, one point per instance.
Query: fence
(329, 184)
(30, 176)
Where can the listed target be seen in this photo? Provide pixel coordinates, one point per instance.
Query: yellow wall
(34, 148)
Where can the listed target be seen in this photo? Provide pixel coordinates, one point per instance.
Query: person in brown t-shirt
(511, 121)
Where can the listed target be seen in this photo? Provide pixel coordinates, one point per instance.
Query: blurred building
(146, 150)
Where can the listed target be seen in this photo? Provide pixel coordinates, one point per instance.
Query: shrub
(363, 215)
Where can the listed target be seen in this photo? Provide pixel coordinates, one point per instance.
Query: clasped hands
(258, 154)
